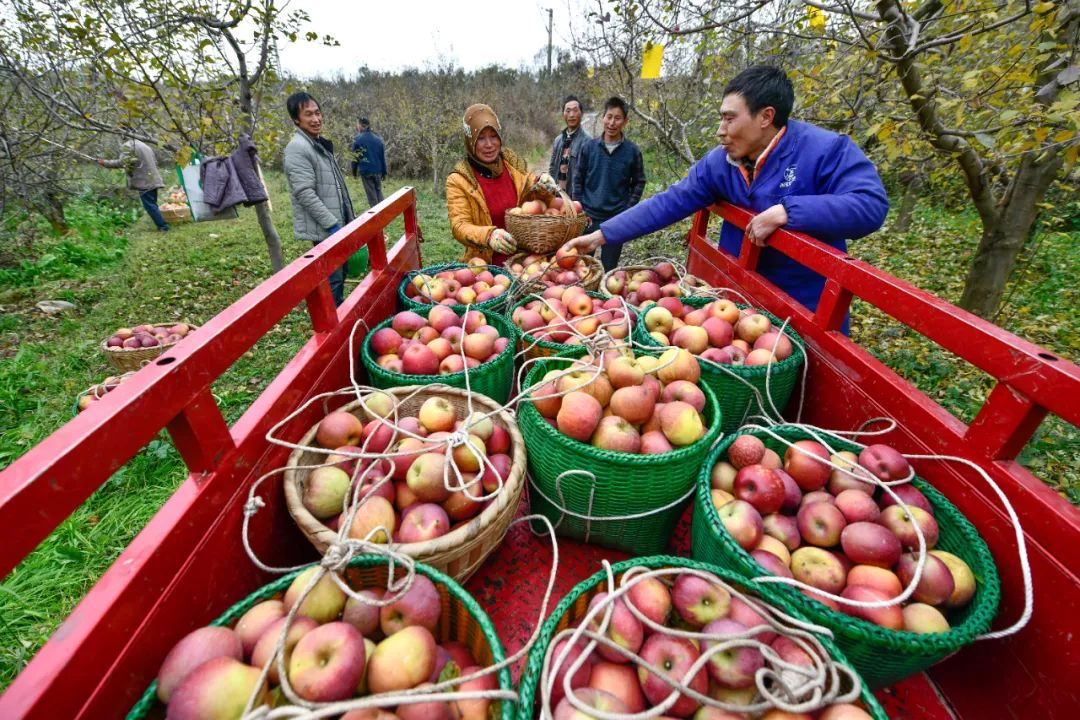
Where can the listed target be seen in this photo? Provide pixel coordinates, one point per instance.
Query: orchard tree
(171, 74)
(984, 87)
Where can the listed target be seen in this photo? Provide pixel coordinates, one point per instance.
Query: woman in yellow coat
(485, 185)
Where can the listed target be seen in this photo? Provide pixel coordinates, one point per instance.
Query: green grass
(195, 271)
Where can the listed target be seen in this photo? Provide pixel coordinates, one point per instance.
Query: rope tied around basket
(794, 688)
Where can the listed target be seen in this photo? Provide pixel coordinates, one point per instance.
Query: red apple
(821, 524)
(327, 663)
(698, 601)
(674, 656)
(761, 487)
(867, 543)
(807, 462)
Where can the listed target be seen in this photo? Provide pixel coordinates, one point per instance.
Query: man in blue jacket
(792, 174)
(370, 161)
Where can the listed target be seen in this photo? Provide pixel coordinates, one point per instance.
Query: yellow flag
(817, 17)
(651, 61)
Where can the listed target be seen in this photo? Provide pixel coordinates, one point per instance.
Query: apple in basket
(442, 343)
(568, 315)
(141, 336)
(474, 283)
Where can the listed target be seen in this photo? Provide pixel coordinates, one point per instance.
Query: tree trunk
(273, 241)
(53, 211)
(904, 215)
(1002, 241)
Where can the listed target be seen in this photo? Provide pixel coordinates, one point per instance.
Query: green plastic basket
(736, 399)
(649, 492)
(534, 348)
(494, 379)
(463, 621)
(496, 303)
(576, 604)
(881, 656)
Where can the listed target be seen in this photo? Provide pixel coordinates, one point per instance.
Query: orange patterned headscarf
(476, 118)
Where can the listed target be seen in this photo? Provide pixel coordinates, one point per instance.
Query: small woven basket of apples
(539, 271)
(780, 502)
(337, 648)
(129, 349)
(539, 228)
(447, 503)
(753, 659)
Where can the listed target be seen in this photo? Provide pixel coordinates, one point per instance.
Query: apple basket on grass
(546, 233)
(624, 682)
(492, 376)
(880, 654)
(554, 336)
(128, 349)
(418, 289)
(621, 499)
(464, 548)
(461, 621)
(735, 385)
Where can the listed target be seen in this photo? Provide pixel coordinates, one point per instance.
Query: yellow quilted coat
(470, 219)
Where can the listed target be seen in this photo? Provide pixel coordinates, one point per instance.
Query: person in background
(610, 175)
(137, 160)
(567, 146)
(488, 182)
(320, 200)
(370, 161)
(792, 174)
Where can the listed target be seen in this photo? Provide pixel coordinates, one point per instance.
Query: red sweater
(500, 195)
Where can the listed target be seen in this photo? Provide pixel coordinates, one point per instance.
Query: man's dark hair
(570, 99)
(763, 86)
(365, 123)
(297, 101)
(617, 102)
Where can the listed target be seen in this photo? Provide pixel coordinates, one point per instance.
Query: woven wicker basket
(648, 488)
(691, 284)
(881, 656)
(594, 271)
(494, 379)
(534, 348)
(175, 217)
(736, 398)
(462, 621)
(458, 553)
(546, 233)
(576, 604)
(407, 303)
(131, 359)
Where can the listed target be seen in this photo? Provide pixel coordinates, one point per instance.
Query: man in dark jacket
(567, 147)
(792, 174)
(370, 161)
(610, 175)
(320, 200)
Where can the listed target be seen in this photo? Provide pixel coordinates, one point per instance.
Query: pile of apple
(642, 405)
(146, 336)
(464, 286)
(564, 314)
(826, 528)
(641, 286)
(564, 268)
(719, 332)
(408, 496)
(415, 345)
(96, 392)
(556, 207)
(336, 648)
(609, 681)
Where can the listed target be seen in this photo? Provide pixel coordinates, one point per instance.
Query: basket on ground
(462, 621)
(590, 280)
(546, 233)
(494, 378)
(131, 359)
(458, 553)
(405, 302)
(880, 655)
(175, 216)
(614, 499)
(735, 385)
(575, 605)
(535, 347)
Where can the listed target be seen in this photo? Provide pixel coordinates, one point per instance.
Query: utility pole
(549, 12)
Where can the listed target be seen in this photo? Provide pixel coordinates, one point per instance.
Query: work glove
(502, 242)
(546, 184)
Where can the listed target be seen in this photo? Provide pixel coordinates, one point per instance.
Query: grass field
(195, 271)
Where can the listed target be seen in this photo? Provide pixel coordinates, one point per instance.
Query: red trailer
(188, 564)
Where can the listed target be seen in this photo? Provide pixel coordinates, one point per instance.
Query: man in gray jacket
(137, 160)
(320, 199)
(568, 144)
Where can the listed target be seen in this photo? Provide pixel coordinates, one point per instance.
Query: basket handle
(568, 204)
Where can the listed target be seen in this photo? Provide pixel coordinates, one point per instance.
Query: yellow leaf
(1041, 133)
(1043, 8)
(651, 60)
(1063, 136)
(817, 17)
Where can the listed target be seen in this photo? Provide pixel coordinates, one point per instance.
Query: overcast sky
(395, 34)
